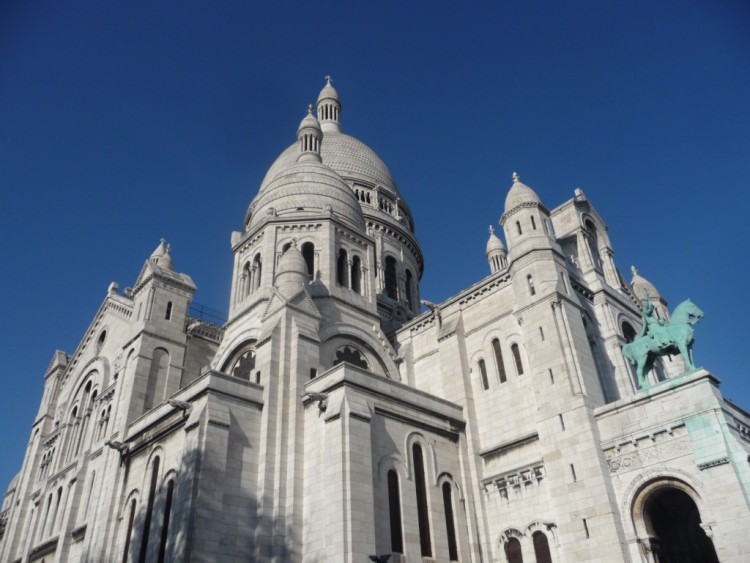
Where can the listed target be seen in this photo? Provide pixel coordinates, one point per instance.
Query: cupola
(329, 108)
(291, 272)
(496, 254)
(309, 136)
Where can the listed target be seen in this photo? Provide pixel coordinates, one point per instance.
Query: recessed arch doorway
(671, 520)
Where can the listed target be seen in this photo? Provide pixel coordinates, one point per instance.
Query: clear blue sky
(125, 122)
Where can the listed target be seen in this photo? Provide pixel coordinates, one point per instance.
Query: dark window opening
(394, 507)
(517, 358)
(423, 516)
(308, 252)
(356, 275)
(341, 268)
(168, 314)
(483, 375)
(513, 551)
(165, 522)
(149, 511)
(499, 360)
(449, 523)
(541, 548)
(390, 278)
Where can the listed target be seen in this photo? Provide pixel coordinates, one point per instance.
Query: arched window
(423, 514)
(308, 252)
(149, 510)
(129, 532)
(518, 227)
(513, 551)
(628, 332)
(342, 265)
(517, 358)
(165, 521)
(409, 289)
(533, 223)
(449, 522)
(356, 275)
(390, 278)
(168, 312)
(499, 360)
(246, 281)
(483, 374)
(541, 548)
(593, 241)
(394, 508)
(257, 271)
(157, 379)
(53, 522)
(530, 282)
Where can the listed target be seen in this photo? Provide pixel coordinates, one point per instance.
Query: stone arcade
(330, 420)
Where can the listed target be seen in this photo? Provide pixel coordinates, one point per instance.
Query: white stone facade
(329, 420)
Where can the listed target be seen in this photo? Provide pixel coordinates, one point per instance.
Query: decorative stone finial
(309, 109)
(492, 230)
(328, 79)
(634, 270)
(516, 177)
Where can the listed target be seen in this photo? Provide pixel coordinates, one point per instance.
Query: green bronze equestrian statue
(659, 337)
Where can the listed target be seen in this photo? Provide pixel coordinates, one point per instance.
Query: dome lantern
(309, 136)
(329, 107)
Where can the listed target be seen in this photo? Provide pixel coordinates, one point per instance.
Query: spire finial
(634, 270)
(516, 177)
(328, 79)
(309, 109)
(492, 230)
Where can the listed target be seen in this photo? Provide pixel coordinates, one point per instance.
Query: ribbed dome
(292, 262)
(328, 91)
(349, 157)
(641, 286)
(519, 194)
(494, 243)
(304, 188)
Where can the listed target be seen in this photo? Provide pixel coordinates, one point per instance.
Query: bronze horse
(675, 337)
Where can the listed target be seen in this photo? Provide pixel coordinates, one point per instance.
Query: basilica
(338, 417)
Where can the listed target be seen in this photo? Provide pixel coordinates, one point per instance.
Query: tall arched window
(129, 532)
(342, 265)
(257, 271)
(423, 514)
(518, 227)
(246, 282)
(391, 283)
(165, 522)
(483, 374)
(449, 522)
(517, 358)
(533, 223)
(394, 509)
(308, 252)
(149, 510)
(513, 551)
(409, 289)
(356, 274)
(541, 548)
(157, 379)
(499, 360)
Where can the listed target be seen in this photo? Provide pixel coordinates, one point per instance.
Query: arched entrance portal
(673, 523)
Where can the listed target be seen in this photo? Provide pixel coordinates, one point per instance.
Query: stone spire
(309, 136)
(329, 108)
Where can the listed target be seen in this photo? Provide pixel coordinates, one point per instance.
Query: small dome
(292, 262)
(494, 244)
(519, 194)
(291, 272)
(160, 256)
(309, 122)
(328, 92)
(303, 189)
(642, 287)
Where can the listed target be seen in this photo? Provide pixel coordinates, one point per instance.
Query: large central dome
(349, 157)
